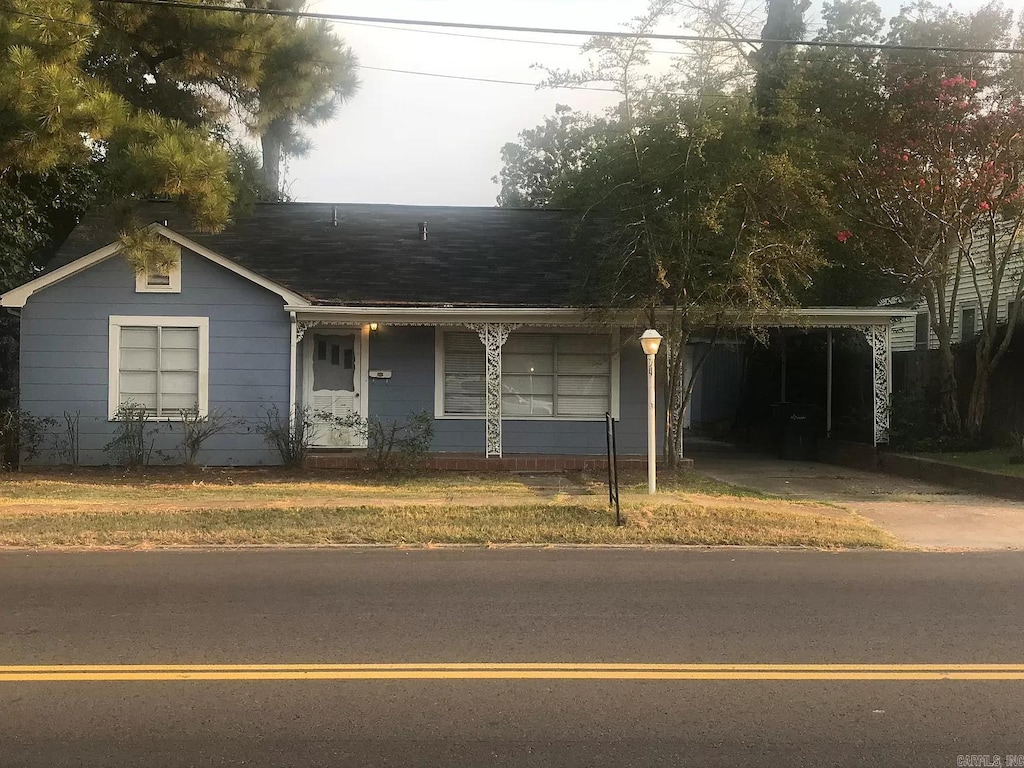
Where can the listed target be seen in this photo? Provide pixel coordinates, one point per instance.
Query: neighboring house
(914, 331)
(379, 310)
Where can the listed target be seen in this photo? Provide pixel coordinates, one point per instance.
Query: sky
(430, 141)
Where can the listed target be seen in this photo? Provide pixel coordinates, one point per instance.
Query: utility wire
(469, 78)
(487, 79)
(491, 37)
(363, 66)
(558, 30)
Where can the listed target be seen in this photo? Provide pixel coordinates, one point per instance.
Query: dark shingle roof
(472, 256)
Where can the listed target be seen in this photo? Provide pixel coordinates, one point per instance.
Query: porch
(530, 412)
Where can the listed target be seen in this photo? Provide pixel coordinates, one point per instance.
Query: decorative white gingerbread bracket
(493, 336)
(880, 340)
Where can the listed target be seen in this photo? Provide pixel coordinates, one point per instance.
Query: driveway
(921, 514)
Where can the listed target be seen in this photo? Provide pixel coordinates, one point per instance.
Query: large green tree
(129, 101)
(685, 216)
(57, 117)
(276, 75)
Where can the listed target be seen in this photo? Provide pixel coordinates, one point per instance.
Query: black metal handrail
(613, 467)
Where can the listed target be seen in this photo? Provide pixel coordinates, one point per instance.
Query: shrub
(66, 443)
(1017, 448)
(915, 425)
(22, 435)
(197, 429)
(394, 444)
(132, 445)
(291, 437)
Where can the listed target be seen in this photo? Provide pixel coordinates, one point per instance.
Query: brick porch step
(478, 463)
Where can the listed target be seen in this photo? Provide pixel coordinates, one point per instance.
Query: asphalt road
(506, 606)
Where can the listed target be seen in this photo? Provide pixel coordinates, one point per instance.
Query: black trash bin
(796, 430)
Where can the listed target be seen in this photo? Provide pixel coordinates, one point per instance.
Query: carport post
(782, 377)
(828, 390)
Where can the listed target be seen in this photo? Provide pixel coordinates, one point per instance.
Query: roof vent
(423, 230)
(334, 215)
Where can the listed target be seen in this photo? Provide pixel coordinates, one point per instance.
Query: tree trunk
(675, 396)
(978, 402)
(271, 144)
(948, 400)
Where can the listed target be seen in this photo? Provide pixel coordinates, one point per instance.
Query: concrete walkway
(921, 514)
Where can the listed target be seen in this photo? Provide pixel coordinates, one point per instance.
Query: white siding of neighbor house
(967, 297)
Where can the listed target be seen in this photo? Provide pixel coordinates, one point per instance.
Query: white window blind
(159, 368)
(543, 375)
(584, 375)
(463, 374)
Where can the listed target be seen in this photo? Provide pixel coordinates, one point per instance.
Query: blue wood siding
(64, 353)
(409, 354)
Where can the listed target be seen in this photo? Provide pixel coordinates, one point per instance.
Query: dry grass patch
(166, 507)
(241, 487)
(553, 523)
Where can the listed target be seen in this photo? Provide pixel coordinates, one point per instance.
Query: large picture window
(159, 363)
(543, 375)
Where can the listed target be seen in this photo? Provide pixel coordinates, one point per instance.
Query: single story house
(380, 310)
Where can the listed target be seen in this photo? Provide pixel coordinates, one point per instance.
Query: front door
(333, 385)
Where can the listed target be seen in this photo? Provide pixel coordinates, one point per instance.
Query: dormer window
(159, 278)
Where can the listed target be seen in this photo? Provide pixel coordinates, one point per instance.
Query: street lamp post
(650, 340)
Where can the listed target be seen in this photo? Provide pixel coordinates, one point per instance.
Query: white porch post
(299, 328)
(293, 345)
(493, 336)
(880, 338)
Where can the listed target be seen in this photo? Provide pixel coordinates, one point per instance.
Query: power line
(491, 37)
(469, 78)
(486, 79)
(558, 30)
(49, 18)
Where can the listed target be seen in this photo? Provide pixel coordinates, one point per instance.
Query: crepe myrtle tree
(939, 194)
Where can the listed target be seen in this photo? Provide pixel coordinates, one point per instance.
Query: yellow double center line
(566, 671)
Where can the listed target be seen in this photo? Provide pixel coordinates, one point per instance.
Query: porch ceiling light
(373, 326)
(650, 341)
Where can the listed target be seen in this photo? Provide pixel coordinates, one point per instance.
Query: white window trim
(439, 413)
(174, 286)
(114, 357)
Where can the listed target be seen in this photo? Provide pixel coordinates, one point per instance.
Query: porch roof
(804, 317)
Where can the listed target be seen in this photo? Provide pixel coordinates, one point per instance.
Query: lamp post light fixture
(650, 340)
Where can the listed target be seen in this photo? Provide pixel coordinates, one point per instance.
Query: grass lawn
(269, 507)
(991, 460)
(635, 481)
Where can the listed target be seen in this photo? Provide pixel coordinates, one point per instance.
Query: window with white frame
(543, 375)
(159, 363)
(160, 279)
